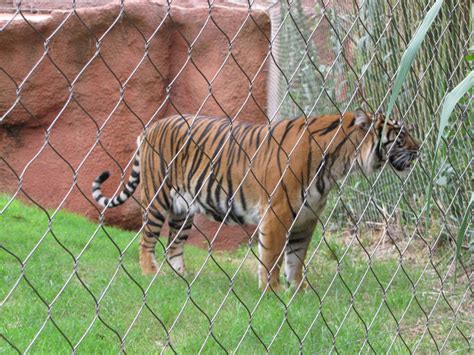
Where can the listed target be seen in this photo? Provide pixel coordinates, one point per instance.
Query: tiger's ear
(362, 119)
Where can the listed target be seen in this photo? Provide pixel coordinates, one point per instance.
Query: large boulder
(80, 86)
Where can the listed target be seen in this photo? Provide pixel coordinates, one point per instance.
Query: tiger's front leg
(295, 254)
(271, 243)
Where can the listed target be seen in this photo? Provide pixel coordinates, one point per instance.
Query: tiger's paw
(297, 286)
(148, 265)
(149, 269)
(274, 286)
(177, 264)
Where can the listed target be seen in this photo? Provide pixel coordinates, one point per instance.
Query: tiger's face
(396, 144)
(403, 151)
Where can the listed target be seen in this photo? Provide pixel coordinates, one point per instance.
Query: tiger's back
(210, 166)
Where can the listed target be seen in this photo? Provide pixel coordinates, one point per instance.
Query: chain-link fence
(80, 84)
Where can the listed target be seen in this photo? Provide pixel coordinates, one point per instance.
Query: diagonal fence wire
(328, 57)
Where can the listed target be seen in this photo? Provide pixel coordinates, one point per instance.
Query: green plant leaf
(448, 106)
(462, 232)
(463, 228)
(409, 56)
(469, 57)
(450, 102)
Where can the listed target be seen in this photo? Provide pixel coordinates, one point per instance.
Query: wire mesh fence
(365, 270)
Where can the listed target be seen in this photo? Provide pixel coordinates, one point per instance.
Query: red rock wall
(50, 135)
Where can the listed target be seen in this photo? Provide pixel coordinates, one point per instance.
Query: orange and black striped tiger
(277, 176)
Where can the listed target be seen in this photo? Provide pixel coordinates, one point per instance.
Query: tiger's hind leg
(180, 227)
(295, 254)
(154, 221)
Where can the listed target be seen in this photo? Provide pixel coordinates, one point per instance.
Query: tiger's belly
(236, 212)
(221, 211)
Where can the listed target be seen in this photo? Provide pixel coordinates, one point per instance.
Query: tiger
(276, 176)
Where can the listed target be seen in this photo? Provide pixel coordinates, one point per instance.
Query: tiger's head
(394, 144)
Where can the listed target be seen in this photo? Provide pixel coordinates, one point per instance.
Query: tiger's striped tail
(124, 195)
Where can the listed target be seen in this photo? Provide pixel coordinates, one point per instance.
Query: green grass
(102, 314)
